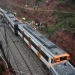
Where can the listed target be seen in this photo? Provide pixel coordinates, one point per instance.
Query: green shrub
(59, 16)
(62, 19)
(67, 24)
(41, 14)
(47, 4)
(0, 71)
(70, 3)
(36, 21)
(39, 0)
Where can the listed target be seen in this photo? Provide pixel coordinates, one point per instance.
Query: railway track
(21, 64)
(24, 62)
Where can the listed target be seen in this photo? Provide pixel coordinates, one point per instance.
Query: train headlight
(68, 57)
(56, 59)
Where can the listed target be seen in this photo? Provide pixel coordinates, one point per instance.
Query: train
(55, 59)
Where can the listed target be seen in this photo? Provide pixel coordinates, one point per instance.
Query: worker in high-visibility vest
(15, 13)
(32, 24)
(23, 18)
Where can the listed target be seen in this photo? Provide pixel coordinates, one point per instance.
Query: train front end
(58, 58)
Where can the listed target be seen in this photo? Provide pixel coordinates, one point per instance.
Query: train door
(50, 61)
(16, 29)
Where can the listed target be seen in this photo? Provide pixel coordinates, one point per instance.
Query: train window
(44, 55)
(63, 58)
(39, 49)
(52, 61)
(29, 39)
(15, 29)
(19, 30)
(26, 36)
(34, 44)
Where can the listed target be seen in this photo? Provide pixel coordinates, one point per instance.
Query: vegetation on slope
(62, 19)
(68, 3)
(39, 0)
(0, 71)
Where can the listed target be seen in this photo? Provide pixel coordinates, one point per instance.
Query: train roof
(10, 15)
(51, 47)
(63, 68)
(1, 10)
(40, 37)
(12, 18)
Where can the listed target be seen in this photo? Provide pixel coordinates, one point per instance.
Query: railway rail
(18, 59)
(21, 62)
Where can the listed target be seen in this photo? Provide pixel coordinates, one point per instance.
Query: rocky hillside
(32, 9)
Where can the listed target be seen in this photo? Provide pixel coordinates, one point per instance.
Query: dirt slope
(42, 13)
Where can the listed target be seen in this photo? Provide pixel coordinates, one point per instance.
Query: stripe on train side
(29, 43)
(23, 35)
(38, 53)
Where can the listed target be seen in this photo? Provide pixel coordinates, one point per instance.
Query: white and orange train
(50, 54)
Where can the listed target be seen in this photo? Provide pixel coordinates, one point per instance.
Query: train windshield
(61, 57)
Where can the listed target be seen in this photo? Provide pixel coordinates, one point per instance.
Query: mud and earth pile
(3, 68)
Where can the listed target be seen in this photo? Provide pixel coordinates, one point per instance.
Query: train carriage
(12, 21)
(62, 68)
(33, 43)
(47, 51)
